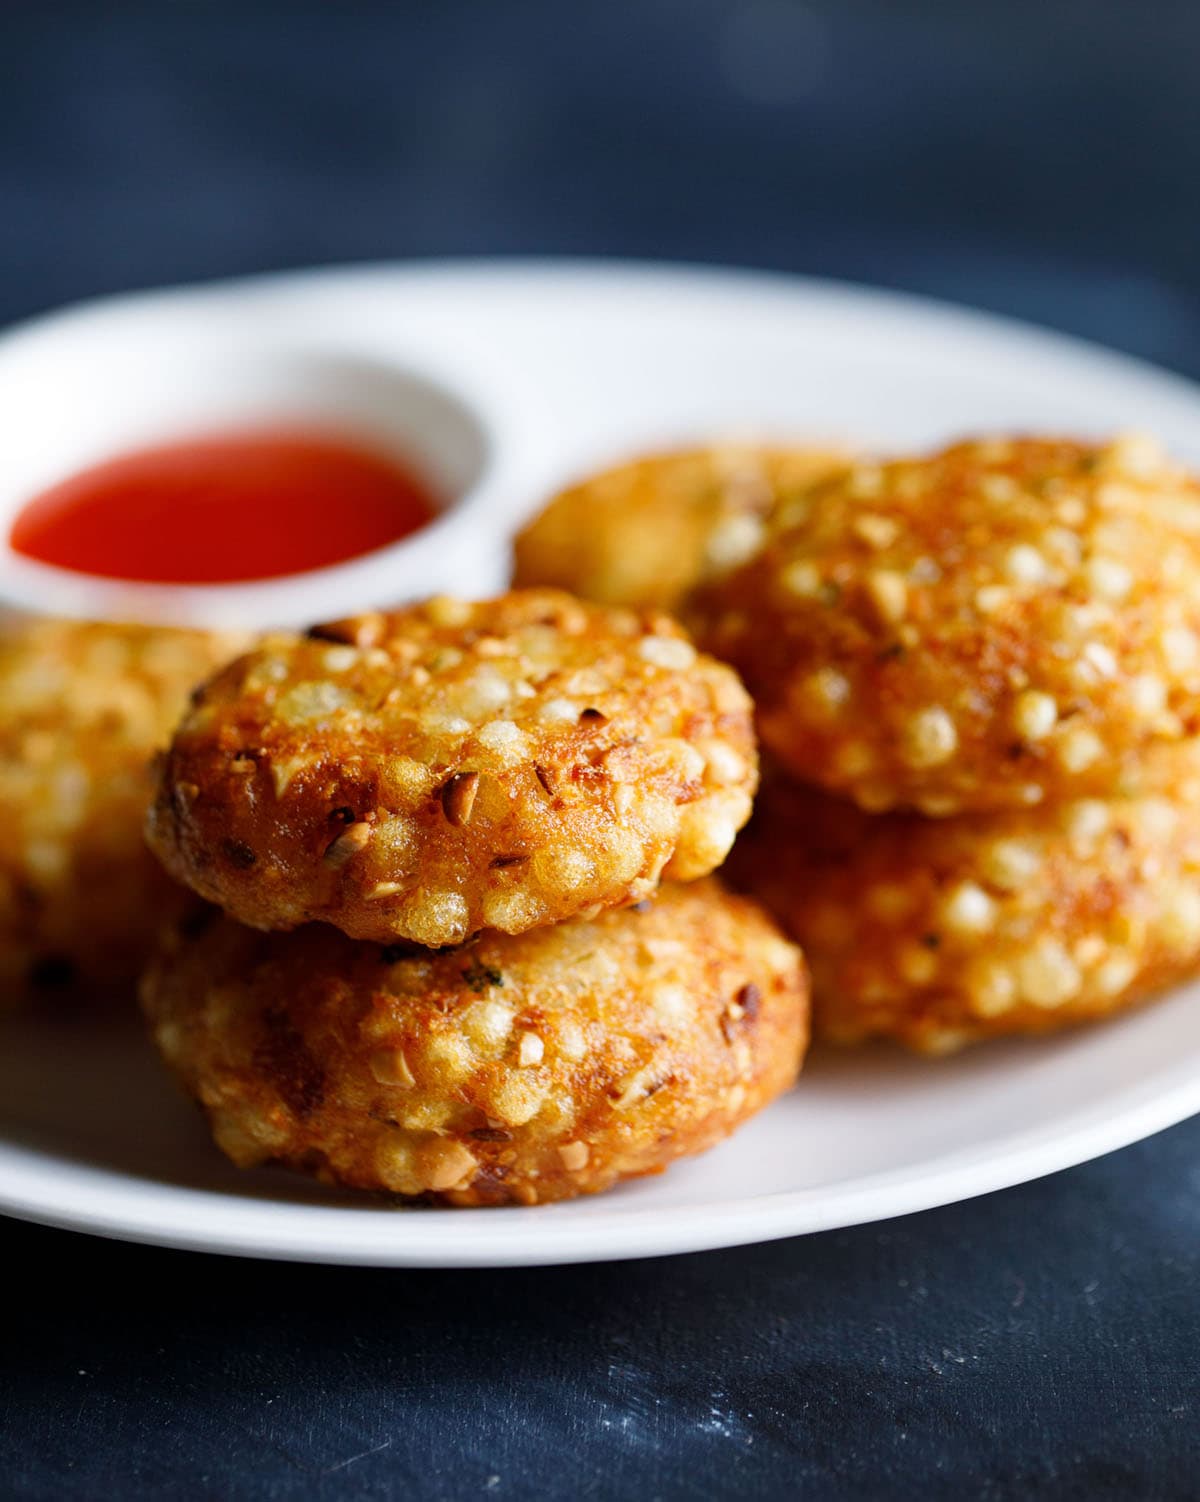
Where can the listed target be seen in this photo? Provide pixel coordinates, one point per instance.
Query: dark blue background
(1039, 157)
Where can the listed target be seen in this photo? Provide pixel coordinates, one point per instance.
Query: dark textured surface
(1037, 1343)
(1033, 157)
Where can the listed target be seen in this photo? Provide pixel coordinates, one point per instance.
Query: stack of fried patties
(977, 676)
(447, 967)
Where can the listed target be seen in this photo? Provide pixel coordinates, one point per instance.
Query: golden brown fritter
(1001, 623)
(941, 931)
(83, 708)
(453, 767)
(517, 1069)
(646, 532)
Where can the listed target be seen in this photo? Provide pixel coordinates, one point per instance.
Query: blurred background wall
(1039, 157)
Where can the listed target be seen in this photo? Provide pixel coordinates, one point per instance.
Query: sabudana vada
(452, 767)
(516, 1070)
(1002, 623)
(940, 932)
(83, 707)
(646, 532)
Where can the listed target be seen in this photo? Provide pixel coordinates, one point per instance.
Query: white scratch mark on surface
(350, 1459)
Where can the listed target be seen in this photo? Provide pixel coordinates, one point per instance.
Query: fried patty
(646, 532)
(515, 1070)
(83, 707)
(1002, 623)
(941, 931)
(453, 767)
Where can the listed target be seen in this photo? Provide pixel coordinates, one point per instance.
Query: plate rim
(626, 1234)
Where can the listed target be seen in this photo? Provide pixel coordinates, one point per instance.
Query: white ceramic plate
(92, 1133)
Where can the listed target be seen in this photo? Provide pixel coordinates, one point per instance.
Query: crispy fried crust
(515, 1070)
(939, 932)
(646, 532)
(1001, 623)
(83, 708)
(454, 767)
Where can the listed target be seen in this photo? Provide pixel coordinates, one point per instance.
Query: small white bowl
(89, 385)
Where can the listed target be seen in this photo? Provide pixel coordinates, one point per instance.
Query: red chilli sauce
(224, 509)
